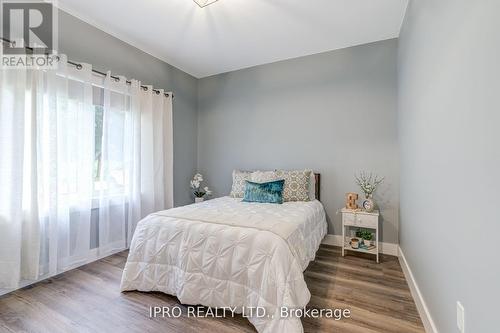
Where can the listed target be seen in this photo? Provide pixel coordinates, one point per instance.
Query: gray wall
(334, 112)
(449, 113)
(83, 42)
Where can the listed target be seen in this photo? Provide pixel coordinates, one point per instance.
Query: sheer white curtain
(63, 138)
(136, 164)
(82, 160)
(19, 229)
(156, 150)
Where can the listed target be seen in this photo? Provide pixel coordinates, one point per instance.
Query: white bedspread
(228, 253)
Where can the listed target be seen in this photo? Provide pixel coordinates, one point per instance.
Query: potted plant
(366, 235)
(368, 182)
(367, 239)
(198, 192)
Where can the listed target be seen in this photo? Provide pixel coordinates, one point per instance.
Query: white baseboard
(423, 311)
(385, 248)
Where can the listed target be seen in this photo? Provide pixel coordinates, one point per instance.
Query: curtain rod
(79, 66)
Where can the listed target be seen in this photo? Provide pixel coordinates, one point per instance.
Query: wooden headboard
(317, 176)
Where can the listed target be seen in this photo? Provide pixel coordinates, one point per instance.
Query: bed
(228, 253)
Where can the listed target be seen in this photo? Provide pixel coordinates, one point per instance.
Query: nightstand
(360, 219)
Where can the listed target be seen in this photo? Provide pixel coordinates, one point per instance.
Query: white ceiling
(234, 34)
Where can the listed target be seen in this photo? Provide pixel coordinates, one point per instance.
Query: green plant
(364, 234)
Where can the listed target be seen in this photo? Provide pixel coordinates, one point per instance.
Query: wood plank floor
(87, 299)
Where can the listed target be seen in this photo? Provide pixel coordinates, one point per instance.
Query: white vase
(198, 199)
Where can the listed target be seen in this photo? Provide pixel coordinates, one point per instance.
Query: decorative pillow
(239, 182)
(263, 176)
(270, 192)
(296, 184)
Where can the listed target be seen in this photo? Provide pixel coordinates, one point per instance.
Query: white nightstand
(360, 219)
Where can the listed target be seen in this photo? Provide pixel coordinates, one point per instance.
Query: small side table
(360, 219)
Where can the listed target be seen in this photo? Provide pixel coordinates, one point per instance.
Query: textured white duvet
(228, 253)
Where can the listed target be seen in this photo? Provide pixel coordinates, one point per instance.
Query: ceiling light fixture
(204, 3)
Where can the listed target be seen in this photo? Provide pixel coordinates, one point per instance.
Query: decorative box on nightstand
(360, 219)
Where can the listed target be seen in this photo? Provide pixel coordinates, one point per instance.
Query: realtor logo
(28, 31)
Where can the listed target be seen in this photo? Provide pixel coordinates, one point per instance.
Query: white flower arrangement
(195, 184)
(368, 182)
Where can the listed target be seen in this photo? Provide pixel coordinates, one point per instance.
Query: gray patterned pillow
(296, 184)
(239, 182)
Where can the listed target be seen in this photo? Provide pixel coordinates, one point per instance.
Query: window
(110, 143)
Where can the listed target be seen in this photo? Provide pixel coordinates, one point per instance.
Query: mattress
(228, 253)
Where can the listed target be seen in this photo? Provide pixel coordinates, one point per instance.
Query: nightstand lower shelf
(348, 247)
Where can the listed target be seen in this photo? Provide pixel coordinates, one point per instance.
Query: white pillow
(263, 176)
